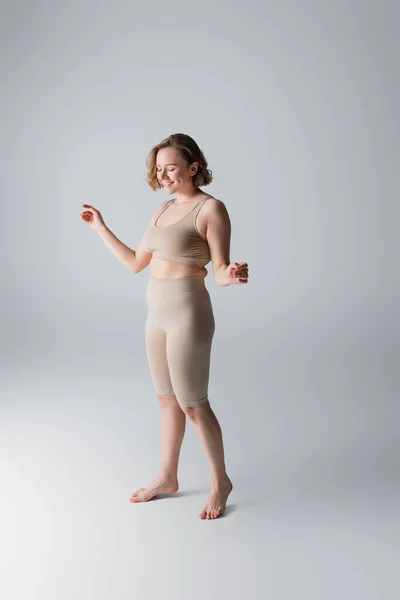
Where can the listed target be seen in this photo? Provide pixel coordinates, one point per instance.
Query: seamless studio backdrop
(295, 105)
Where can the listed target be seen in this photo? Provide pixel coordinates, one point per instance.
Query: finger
(238, 269)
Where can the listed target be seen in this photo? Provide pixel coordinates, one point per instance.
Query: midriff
(166, 269)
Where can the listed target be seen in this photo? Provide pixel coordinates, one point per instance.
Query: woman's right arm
(120, 250)
(137, 260)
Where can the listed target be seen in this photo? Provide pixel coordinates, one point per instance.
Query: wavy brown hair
(190, 152)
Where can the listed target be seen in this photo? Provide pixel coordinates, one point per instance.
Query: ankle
(168, 474)
(221, 480)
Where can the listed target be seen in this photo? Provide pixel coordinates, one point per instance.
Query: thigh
(189, 342)
(157, 357)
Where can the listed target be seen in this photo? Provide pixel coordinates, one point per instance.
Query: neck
(188, 197)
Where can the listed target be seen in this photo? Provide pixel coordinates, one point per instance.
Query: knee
(167, 400)
(196, 413)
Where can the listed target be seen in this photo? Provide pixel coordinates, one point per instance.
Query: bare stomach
(166, 269)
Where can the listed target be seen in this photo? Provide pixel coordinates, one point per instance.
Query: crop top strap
(198, 207)
(163, 210)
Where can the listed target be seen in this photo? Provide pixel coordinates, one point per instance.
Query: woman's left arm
(218, 234)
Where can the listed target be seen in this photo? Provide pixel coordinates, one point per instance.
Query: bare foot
(217, 500)
(160, 485)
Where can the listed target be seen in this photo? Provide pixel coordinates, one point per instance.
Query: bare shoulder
(159, 207)
(213, 212)
(156, 211)
(214, 206)
(162, 203)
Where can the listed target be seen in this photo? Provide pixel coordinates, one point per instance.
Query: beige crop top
(181, 241)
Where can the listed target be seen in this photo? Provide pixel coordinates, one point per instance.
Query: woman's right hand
(92, 216)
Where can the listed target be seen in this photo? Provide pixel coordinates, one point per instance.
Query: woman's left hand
(236, 273)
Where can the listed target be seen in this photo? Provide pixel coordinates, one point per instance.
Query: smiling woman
(178, 165)
(184, 234)
(188, 152)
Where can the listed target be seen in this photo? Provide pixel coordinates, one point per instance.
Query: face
(173, 172)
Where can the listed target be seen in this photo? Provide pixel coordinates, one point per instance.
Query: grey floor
(314, 512)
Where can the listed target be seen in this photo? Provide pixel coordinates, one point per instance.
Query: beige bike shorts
(179, 332)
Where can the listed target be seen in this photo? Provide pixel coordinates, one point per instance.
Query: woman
(183, 235)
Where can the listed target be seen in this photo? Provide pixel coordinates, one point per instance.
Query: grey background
(295, 105)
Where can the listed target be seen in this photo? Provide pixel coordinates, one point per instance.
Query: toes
(135, 495)
(211, 513)
(137, 492)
